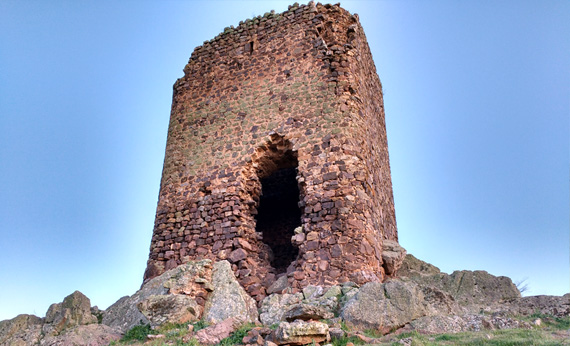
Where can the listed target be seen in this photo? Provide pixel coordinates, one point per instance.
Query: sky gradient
(477, 99)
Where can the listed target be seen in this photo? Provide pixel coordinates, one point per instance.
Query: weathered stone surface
(22, 330)
(279, 286)
(307, 312)
(124, 314)
(273, 307)
(385, 306)
(84, 335)
(548, 305)
(215, 333)
(462, 323)
(173, 308)
(75, 310)
(301, 333)
(468, 288)
(411, 266)
(228, 299)
(392, 256)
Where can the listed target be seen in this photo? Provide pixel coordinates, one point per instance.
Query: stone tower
(277, 157)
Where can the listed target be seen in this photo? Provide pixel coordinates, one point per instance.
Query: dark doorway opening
(278, 213)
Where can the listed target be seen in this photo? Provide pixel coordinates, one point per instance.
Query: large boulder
(274, 306)
(385, 306)
(22, 330)
(171, 308)
(190, 278)
(75, 310)
(85, 335)
(228, 298)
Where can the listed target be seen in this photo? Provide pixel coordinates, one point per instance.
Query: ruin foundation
(277, 157)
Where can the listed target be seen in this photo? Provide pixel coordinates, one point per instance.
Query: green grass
(137, 333)
(237, 336)
(510, 337)
(344, 340)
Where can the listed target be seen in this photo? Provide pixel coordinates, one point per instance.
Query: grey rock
(385, 306)
(468, 288)
(392, 256)
(273, 307)
(411, 266)
(301, 333)
(75, 310)
(333, 291)
(124, 314)
(228, 299)
(279, 286)
(22, 330)
(85, 335)
(312, 292)
(548, 305)
(336, 333)
(307, 312)
(171, 308)
(439, 324)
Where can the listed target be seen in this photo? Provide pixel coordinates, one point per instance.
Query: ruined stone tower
(277, 156)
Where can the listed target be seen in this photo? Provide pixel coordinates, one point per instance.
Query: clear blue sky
(477, 97)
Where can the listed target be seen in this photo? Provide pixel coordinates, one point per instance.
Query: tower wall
(280, 98)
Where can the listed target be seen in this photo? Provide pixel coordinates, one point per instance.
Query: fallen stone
(301, 333)
(172, 308)
(215, 333)
(279, 286)
(228, 299)
(392, 256)
(307, 312)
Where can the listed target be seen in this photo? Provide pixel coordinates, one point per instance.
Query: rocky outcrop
(22, 330)
(546, 305)
(85, 335)
(75, 310)
(469, 288)
(228, 298)
(71, 322)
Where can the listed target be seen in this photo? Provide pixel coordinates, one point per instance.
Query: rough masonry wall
(280, 95)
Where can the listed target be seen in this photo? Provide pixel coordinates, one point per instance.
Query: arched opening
(278, 212)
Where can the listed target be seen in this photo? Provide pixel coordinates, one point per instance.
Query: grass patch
(137, 333)
(237, 336)
(344, 340)
(509, 337)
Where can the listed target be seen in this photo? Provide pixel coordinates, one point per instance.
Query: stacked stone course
(291, 92)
